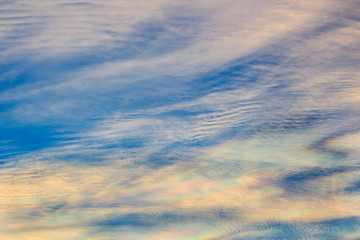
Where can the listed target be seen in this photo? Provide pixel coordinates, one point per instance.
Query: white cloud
(225, 32)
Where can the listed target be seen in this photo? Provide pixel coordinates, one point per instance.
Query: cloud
(179, 120)
(234, 180)
(223, 36)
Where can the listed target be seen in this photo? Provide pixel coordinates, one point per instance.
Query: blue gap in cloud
(353, 188)
(332, 229)
(27, 138)
(240, 73)
(162, 218)
(296, 182)
(127, 143)
(20, 72)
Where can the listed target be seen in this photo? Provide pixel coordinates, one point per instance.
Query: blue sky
(179, 120)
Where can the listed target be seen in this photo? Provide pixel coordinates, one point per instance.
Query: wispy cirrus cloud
(218, 37)
(179, 120)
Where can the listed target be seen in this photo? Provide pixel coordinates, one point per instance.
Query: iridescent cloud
(179, 120)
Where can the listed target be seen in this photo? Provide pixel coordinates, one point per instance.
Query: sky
(179, 120)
